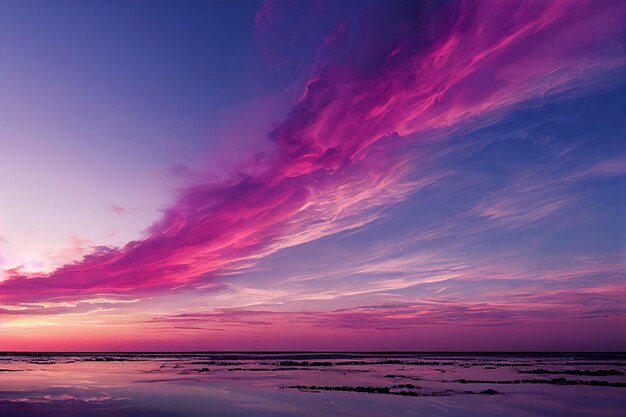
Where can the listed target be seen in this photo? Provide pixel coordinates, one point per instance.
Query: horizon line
(190, 352)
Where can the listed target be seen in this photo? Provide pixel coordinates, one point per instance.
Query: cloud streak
(345, 152)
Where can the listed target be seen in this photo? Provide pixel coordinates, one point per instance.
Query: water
(190, 385)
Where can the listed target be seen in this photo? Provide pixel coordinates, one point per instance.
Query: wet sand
(312, 384)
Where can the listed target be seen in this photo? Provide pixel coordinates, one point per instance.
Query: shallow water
(190, 385)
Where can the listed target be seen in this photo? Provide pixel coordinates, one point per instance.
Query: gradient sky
(361, 175)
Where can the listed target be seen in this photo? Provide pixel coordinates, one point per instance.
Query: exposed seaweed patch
(362, 363)
(302, 363)
(203, 370)
(408, 386)
(218, 363)
(285, 368)
(344, 371)
(388, 390)
(599, 372)
(414, 378)
(489, 392)
(371, 390)
(110, 359)
(553, 381)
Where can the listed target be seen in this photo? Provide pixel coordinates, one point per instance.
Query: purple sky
(364, 175)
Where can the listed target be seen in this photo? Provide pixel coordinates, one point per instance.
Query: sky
(313, 175)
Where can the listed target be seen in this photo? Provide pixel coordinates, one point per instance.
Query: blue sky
(375, 175)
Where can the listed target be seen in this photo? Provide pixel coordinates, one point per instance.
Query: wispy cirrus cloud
(344, 153)
(590, 303)
(122, 211)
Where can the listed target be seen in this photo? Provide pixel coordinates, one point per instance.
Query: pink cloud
(342, 154)
(549, 305)
(122, 211)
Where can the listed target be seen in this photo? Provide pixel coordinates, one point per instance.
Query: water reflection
(190, 385)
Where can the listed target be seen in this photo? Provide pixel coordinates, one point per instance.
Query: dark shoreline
(321, 353)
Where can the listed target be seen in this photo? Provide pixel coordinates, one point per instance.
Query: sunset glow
(365, 176)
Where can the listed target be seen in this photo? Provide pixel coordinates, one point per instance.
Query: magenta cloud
(343, 154)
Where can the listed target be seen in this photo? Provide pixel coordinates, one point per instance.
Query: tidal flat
(311, 384)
